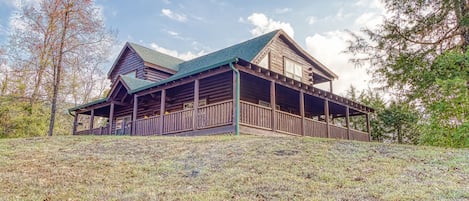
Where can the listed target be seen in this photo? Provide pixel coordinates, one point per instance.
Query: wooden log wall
(128, 62)
(216, 88)
(254, 89)
(279, 50)
(155, 75)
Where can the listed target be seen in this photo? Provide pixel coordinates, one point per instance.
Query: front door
(123, 125)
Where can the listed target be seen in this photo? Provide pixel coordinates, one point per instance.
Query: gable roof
(150, 56)
(155, 57)
(246, 50)
(134, 83)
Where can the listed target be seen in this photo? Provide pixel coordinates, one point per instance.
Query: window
(132, 73)
(264, 63)
(293, 69)
(190, 105)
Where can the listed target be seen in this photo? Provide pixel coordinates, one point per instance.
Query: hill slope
(226, 167)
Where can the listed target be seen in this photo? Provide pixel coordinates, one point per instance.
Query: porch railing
(213, 115)
(315, 128)
(338, 132)
(255, 115)
(178, 121)
(95, 131)
(147, 126)
(288, 122)
(359, 135)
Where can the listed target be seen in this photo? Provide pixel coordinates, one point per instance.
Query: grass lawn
(227, 168)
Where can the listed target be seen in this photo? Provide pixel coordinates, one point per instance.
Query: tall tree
(56, 41)
(406, 51)
(403, 49)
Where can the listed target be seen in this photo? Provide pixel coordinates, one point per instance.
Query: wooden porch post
(92, 120)
(326, 117)
(347, 120)
(134, 115)
(196, 104)
(273, 104)
(330, 86)
(75, 123)
(368, 126)
(111, 117)
(162, 110)
(302, 112)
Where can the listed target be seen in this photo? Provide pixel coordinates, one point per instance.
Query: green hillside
(226, 168)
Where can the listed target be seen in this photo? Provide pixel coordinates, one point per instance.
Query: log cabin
(265, 85)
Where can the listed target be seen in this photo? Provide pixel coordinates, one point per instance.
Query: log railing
(315, 128)
(255, 115)
(359, 135)
(288, 122)
(147, 126)
(338, 132)
(178, 121)
(217, 114)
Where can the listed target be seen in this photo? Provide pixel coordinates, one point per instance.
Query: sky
(191, 28)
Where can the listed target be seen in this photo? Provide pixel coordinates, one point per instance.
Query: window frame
(296, 66)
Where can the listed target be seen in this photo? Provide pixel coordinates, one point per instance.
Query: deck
(220, 115)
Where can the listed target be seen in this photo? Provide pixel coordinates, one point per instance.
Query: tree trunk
(57, 71)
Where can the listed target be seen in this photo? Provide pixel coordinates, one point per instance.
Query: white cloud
(167, 1)
(311, 20)
(328, 49)
(173, 33)
(184, 56)
(263, 24)
(282, 10)
(373, 4)
(174, 16)
(369, 19)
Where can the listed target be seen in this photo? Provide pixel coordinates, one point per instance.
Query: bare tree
(60, 44)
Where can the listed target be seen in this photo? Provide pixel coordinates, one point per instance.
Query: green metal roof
(246, 51)
(102, 100)
(134, 83)
(155, 57)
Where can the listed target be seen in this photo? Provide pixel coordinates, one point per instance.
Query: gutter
(237, 93)
(70, 113)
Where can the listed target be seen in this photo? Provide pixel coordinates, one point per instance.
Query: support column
(302, 112)
(326, 117)
(75, 123)
(111, 117)
(162, 110)
(330, 86)
(92, 120)
(196, 104)
(273, 104)
(134, 115)
(347, 121)
(368, 126)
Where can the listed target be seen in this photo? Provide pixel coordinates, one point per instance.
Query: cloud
(173, 33)
(373, 4)
(328, 49)
(282, 10)
(174, 16)
(185, 56)
(263, 24)
(311, 20)
(369, 19)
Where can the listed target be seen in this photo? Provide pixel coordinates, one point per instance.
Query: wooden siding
(254, 89)
(278, 50)
(154, 75)
(216, 88)
(129, 61)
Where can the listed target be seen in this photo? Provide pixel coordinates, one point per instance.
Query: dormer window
(131, 74)
(293, 69)
(264, 63)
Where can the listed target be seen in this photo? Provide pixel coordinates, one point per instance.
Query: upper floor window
(293, 69)
(132, 74)
(264, 63)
